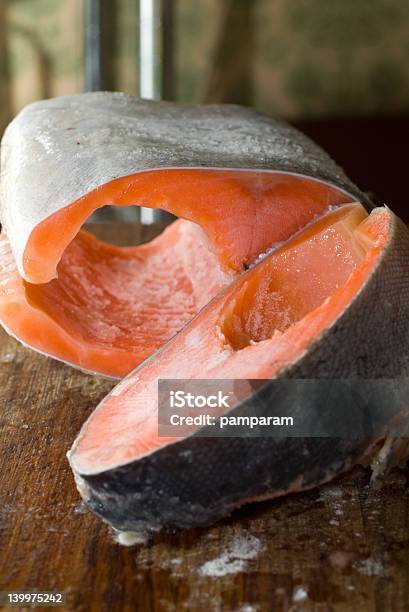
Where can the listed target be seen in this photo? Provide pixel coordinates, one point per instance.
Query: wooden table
(342, 547)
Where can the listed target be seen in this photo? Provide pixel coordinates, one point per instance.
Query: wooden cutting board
(342, 547)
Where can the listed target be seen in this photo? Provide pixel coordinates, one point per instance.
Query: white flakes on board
(300, 594)
(130, 538)
(244, 547)
(370, 567)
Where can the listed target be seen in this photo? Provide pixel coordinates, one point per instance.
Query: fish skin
(168, 490)
(197, 480)
(58, 150)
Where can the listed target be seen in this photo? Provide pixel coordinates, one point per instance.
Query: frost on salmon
(111, 307)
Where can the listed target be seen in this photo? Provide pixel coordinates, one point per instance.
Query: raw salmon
(104, 309)
(274, 270)
(329, 303)
(73, 154)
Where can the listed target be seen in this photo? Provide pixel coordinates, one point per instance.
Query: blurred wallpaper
(294, 58)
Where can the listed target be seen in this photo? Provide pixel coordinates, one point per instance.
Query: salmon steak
(278, 267)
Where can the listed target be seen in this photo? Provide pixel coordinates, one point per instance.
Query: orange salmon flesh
(242, 213)
(105, 308)
(258, 325)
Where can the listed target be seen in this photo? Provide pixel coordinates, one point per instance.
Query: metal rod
(156, 49)
(155, 64)
(147, 51)
(94, 80)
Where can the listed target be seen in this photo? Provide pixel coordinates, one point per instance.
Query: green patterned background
(294, 58)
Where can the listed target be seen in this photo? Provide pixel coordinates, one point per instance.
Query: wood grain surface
(344, 547)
